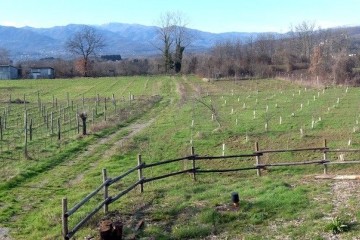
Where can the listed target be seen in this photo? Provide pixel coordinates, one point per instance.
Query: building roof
(7, 66)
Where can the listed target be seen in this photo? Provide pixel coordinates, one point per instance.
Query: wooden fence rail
(258, 166)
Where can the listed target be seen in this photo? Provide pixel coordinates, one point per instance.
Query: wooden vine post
(140, 173)
(52, 122)
(25, 135)
(77, 123)
(4, 120)
(31, 129)
(193, 162)
(106, 191)
(24, 102)
(325, 157)
(59, 129)
(257, 159)
(1, 129)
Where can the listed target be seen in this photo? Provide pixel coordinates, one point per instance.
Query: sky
(207, 15)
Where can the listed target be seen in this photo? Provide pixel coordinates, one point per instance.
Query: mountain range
(128, 40)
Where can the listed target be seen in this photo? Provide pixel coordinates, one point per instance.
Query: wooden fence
(258, 166)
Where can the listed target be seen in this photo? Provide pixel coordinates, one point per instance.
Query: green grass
(284, 202)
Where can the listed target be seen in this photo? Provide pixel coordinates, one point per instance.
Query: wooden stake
(25, 134)
(140, 174)
(1, 129)
(31, 129)
(77, 123)
(193, 163)
(106, 192)
(59, 129)
(52, 122)
(325, 158)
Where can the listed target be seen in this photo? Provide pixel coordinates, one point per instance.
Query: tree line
(327, 55)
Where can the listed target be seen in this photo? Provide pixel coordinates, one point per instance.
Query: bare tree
(165, 35)
(86, 42)
(174, 38)
(182, 39)
(305, 32)
(4, 56)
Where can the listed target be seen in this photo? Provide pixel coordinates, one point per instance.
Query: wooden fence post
(24, 102)
(140, 174)
(106, 192)
(59, 129)
(31, 129)
(77, 123)
(65, 227)
(1, 129)
(25, 134)
(257, 159)
(193, 162)
(4, 121)
(325, 157)
(52, 122)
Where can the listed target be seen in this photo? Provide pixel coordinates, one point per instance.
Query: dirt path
(133, 130)
(343, 192)
(48, 189)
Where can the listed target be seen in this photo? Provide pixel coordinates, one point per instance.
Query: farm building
(42, 72)
(9, 72)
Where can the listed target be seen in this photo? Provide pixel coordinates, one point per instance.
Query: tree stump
(111, 230)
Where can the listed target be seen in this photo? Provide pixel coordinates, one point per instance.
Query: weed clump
(337, 226)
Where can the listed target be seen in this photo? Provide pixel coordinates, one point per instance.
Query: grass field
(283, 203)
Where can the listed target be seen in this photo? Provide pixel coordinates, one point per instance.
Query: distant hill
(128, 40)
